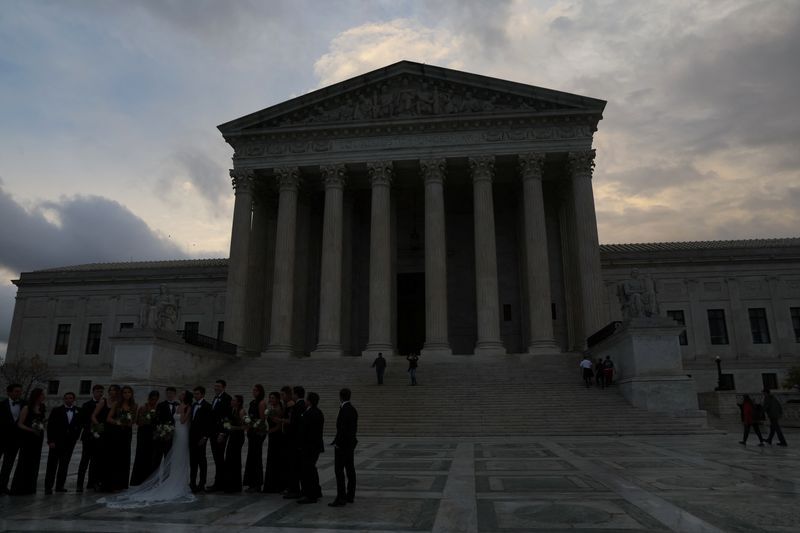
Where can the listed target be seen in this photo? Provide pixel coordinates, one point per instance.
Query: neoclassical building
(415, 208)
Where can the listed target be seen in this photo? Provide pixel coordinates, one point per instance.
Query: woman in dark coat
(143, 464)
(750, 420)
(254, 465)
(121, 417)
(274, 478)
(235, 429)
(31, 426)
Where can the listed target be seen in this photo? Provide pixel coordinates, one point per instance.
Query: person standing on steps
(774, 411)
(586, 367)
(608, 371)
(379, 364)
(413, 363)
(344, 450)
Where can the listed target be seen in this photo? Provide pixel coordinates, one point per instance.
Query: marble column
(580, 165)
(486, 292)
(236, 293)
(280, 342)
(436, 339)
(254, 330)
(380, 261)
(531, 167)
(330, 291)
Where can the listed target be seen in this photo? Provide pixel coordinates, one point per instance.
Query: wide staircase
(462, 396)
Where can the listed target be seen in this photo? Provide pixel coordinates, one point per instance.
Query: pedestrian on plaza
(586, 367)
(312, 425)
(344, 450)
(749, 420)
(379, 364)
(413, 363)
(774, 411)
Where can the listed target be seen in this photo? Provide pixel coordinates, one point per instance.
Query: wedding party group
(172, 438)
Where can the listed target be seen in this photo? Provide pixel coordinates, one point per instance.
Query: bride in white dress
(170, 482)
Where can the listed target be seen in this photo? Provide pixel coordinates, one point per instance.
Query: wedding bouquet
(164, 432)
(125, 418)
(38, 426)
(97, 430)
(227, 425)
(259, 426)
(150, 415)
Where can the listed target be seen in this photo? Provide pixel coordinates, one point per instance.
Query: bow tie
(197, 403)
(70, 409)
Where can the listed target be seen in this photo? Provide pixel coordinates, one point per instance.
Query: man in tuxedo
(9, 432)
(311, 445)
(90, 446)
(200, 429)
(165, 412)
(344, 450)
(221, 409)
(63, 429)
(291, 427)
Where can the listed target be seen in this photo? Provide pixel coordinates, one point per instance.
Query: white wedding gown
(168, 484)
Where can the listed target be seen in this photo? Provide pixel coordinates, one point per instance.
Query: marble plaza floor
(655, 483)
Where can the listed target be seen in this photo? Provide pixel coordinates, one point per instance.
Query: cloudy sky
(108, 109)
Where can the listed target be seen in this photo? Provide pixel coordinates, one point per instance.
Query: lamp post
(719, 372)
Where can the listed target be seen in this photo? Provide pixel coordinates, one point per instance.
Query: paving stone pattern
(686, 483)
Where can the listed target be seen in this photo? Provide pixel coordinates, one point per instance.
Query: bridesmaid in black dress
(121, 418)
(107, 436)
(31, 424)
(143, 464)
(273, 476)
(235, 429)
(254, 465)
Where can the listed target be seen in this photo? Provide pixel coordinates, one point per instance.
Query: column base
(490, 348)
(278, 351)
(327, 351)
(372, 350)
(436, 349)
(543, 348)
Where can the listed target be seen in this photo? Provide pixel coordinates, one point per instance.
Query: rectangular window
(52, 386)
(506, 312)
(770, 381)
(86, 386)
(125, 325)
(677, 316)
(796, 322)
(191, 330)
(759, 328)
(220, 330)
(716, 326)
(93, 338)
(62, 339)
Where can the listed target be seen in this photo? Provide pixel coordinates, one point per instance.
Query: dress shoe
(782, 444)
(48, 492)
(337, 503)
(742, 443)
(212, 488)
(306, 500)
(79, 490)
(61, 489)
(291, 496)
(350, 499)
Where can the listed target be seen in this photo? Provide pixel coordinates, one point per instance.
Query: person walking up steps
(413, 363)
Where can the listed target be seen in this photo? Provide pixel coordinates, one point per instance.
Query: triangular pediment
(408, 90)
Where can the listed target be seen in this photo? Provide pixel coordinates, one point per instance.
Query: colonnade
(334, 177)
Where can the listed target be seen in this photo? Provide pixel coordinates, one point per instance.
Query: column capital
(581, 163)
(242, 179)
(531, 165)
(380, 172)
(334, 175)
(482, 168)
(287, 178)
(433, 170)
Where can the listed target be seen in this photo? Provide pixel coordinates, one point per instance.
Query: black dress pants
(198, 462)
(309, 477)
(344, 463)
(58, 459)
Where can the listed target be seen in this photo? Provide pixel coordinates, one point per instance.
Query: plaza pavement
(650, 483)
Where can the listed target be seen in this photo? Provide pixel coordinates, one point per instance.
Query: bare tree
(27, 371)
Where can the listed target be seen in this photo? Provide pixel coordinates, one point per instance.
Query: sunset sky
(108, 109)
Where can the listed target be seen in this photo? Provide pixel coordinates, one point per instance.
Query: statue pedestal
(161, 357)
(648, 366)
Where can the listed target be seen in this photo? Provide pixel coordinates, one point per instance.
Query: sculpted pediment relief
(409, 96)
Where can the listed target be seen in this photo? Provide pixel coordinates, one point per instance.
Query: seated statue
(637, 296)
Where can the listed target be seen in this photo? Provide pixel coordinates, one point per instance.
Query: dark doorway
(410, 312)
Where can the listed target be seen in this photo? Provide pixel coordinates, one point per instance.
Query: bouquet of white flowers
(38, 426)
(97, 430)
(150, 415)
(125, 418)
(227, 425)
(163, 432)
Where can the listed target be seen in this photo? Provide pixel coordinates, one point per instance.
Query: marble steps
(512, 395)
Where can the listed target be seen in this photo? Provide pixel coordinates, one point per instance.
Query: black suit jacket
(201, 423)
(8, 426)
(222, 410)
(311, 427)
(164, 413)
(86, 419)
(346, 427)
(295, 419)
(60, 431)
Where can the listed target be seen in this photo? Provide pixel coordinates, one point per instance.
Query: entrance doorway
(410, 312)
